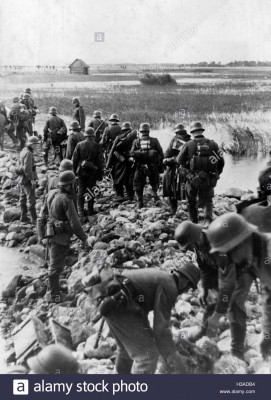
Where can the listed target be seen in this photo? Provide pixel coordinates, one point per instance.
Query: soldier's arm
(28, 167)
(226, 282)
(82, 117)
(266, 320)
(159, 149)
(134, 147)
(75, 158)
(74, 220)
(104, 137)
(161, 324)
(70, 147)
(46, 130)
(183, 156)
(221, 161)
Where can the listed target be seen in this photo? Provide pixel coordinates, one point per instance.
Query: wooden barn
(79, 67)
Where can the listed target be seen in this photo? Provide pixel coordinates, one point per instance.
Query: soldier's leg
(2, 140)
(191, 195)
(206, 200)
(23, 204)
(138, 185)
(237, 314)
(82, 191)
(141, 347)
(11, 133)
(57, 256)
(31, 197)
(123, 363)
(173, 204)
(21, 135)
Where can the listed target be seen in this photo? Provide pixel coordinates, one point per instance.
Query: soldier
(110, 134)
(63, 223)
(88, 164)
(55, 132)
(218, 277)
(78, 113)
(65, 165)
(26, 100)
(27, 180)
(204, 161)
(98, 124)
(148, 155)
(232, 234)
(118, 160)
(172, 185)
(75, 137)
(125, 301)
(19, 116)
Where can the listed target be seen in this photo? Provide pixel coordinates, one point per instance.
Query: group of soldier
(233, 251)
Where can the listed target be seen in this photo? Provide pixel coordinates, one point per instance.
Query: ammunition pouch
(119, 156)
(61, 227)
(200, 163)
(86, 168)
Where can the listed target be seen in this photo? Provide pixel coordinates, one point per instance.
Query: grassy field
(224, 99)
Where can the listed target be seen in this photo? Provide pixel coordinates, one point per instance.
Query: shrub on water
(158, 79)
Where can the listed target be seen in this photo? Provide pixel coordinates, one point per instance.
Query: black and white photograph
(135, 188)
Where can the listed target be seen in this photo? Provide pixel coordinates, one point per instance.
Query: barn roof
(81, 61)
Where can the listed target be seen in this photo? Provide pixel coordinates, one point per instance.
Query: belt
(128, 287)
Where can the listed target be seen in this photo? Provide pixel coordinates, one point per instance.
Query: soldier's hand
(265, 346)
(203, 297)
(212, 324)
(131, 159)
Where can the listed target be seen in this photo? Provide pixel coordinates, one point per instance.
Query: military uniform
(73, 139)
(55, 132)
(118, 160)
(146, 290)
(78, 114)
(96, 123)
(88, 166)
(200, 183)
(148, 155)
(109, 135)
(173, 185)
(19, 116)
(28, 174)
(63, 216)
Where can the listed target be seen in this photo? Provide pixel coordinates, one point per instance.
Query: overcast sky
(140, 31)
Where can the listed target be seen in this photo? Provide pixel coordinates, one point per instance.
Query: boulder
(103, 351)
(12, 286)
(234, 192)
(183, 308)
(12, 214)
(37, 251)
(95, 366)
(209, 346)
(229, 364)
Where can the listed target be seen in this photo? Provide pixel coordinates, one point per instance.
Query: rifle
(98, 128)
(99, 334)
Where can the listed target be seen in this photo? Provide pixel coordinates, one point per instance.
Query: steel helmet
(89, 132)
(97, 113)
(74, 126)
(265, 180)
(228, 231)
(179, 128)
(52, 110)
(27, 90)
(126, 125)
(187, 233)
(32, 140)
(145, 127)
(66, 178)
(114, 117)
(191, 272)
(54, 358)
(75, 100)
(26, 96)
(16, 99)
(66, 165)
(196, 126)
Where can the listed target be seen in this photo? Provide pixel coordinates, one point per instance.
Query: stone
(11, 243)
(229, 364)
(32, 240)
(183, 308)
(100, 246)
(117, 258)
(104, 349)
(209, 346)
(234, 192)
(7, 184)
(37, 251)
(12, 214)
(12, 286)
(258, 328)
(95, 366)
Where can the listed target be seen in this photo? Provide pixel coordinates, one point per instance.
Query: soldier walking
(27, 180)
(88, 164)
(148, 156)
(125, 302)
(232, 234)
(204, 161)
(173, 185)
(98, 124)
(19, 116)
(119, 163)
(55, 132)
(110, 134)
(75, 137)
(78, 113)
(63, 223)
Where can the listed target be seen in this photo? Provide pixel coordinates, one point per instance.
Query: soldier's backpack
(204, 159)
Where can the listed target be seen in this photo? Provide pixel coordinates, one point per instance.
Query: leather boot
(193, 213)
(238, 337)
(54, 287)
(45, 159)
(174, 205)
(208, 213)
(139, 195)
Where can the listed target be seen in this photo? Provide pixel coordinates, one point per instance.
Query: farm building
(79, 67)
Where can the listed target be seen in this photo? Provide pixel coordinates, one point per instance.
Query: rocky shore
(123, 237)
